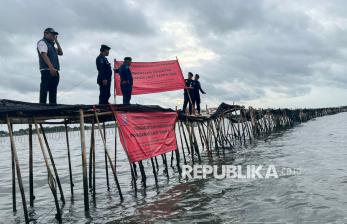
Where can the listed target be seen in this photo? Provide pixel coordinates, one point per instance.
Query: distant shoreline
(56, 129)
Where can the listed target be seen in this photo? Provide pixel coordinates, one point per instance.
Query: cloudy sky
(265, 53)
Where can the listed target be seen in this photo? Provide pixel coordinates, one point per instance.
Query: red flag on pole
(147, 134)
(152, 77)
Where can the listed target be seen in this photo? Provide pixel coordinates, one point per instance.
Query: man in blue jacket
(49, 65)
(188, 93)
(126, 80)
(104, 74)
(196, 92)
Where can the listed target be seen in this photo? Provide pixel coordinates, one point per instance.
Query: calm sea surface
(318, 194)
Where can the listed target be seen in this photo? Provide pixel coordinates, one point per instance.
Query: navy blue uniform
(126, 82)
(188, 96)
(104, 73)
(196, 94)
(49, 83)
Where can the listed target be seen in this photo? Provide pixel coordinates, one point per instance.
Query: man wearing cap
(126, 80)
(104, 74)
(49, 65)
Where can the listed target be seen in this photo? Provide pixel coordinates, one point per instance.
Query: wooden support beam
(84, 162)
(31, 173)
(51, 181)
(19, 175)
(69, 157)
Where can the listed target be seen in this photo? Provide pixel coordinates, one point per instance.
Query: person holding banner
(126, 80)
(188, 93)
(196, 92)
(104, 74)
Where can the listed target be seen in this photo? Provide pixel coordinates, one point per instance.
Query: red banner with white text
(147, 134)
(152, 77)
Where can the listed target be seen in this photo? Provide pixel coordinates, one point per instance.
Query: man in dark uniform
(188, 93)
(49, 65)
(196, 93)
(126, 80)
(104, 74)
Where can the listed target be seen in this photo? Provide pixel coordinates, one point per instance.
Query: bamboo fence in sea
(210, 134)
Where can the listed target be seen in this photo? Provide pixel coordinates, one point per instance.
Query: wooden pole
(84, 162)
(185, 137)
(31, 175)
(177, 153)
(62, 198)
(69, 157)
(143, 174)
(195, 143)
(166, 170)
(13, 165)
(115, 144)
(19, 175)
(156, 163)
(180, 134)
(51, 180)
(154, 172)
(106, 165)
(108, 156)
(93, 143)
(91, 160)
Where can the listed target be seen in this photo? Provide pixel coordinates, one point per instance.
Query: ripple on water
(317, 195)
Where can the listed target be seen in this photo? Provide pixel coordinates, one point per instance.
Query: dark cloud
(72, 16)
(243, 50)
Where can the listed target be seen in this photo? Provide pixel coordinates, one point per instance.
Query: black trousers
(196, 103)
(105, 92)
(185, 103)
(126, 91)
(49, 84)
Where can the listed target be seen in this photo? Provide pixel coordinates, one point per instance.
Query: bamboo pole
(106, 164)
(180, 134)
(69, 157)
(91, 160)
(94, 188)
(154, 172)
(143, 174)
(13, 168)
(84, 162)
(31, 174)
(115, 144)
(185, 137)
(156, 163)
(19, 175)
(108, 156)
(166, 170)
(51, 180)
(62, 198)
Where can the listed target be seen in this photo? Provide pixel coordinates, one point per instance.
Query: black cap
(189, 73)
(128, 59)
(104, 47)
(51, 30)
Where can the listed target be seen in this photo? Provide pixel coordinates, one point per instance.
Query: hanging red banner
(152, 77)
(147, 134)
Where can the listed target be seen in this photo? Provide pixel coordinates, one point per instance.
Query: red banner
(152, 77)
(144, 135)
